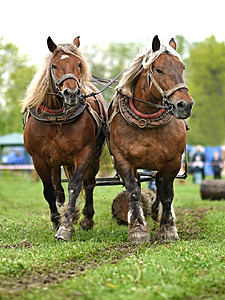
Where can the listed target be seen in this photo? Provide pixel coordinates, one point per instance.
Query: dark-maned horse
(146, 133)
(63, 128)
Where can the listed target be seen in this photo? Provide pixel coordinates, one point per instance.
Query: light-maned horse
(146, 133)
(63, 128)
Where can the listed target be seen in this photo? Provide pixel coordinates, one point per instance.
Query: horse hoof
(139, 235)
(86, 224)
(64, 234)
(168, 233)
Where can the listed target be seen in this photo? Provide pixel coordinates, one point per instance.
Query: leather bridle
(165, 94)
(59, 81)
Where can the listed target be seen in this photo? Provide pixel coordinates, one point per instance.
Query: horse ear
(173, 44)
(76, 41)
(155, 43)
(51, 45)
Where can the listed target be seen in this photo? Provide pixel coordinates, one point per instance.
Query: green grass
(102, 264)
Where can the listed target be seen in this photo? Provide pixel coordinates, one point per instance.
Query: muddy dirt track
(188, 227)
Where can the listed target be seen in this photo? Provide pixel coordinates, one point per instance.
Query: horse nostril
(78, 92)
(181, 104)
(66, 93)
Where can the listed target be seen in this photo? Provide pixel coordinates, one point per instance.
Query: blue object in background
(15, 156)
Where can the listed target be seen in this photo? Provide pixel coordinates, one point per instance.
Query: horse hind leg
(56, 179)
(155, 209)
(87, 222)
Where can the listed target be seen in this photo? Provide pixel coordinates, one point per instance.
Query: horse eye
(79, 65)
(159, 71)
(54, 67)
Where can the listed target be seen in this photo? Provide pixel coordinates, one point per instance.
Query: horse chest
(62, 150)
(57, 146)
(149, 148)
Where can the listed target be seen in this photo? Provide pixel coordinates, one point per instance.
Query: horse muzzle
(72, 98)
(182, 108)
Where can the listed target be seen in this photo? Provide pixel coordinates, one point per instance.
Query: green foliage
(183, 46)
(206, 77)
(108, 62)
(15, 75)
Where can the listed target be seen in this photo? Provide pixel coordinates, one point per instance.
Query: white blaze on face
(64, 56)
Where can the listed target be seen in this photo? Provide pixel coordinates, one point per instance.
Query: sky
(28, 23)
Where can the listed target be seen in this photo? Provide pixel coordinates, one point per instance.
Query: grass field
(102, 264)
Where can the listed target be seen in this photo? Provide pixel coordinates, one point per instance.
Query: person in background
(151, 183)
(217, 165)
(197, 166)
(199, 152)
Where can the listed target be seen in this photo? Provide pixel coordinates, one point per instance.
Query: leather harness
(66, 114)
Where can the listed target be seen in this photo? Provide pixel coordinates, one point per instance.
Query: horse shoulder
(91, 88)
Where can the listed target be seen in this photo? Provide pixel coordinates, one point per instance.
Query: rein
(106, 86)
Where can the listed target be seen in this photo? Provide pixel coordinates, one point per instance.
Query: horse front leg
(44, 172)
(168, 230)
(89, 182)
(138, 230)
(87, 222)
(70, 217)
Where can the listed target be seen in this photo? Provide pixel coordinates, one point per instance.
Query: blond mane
(142, 61)
(130, 76)
(38, 91)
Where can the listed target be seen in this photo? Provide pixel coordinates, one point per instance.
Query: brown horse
(64, 127)
(146, 133)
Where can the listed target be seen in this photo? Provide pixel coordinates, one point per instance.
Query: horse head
(66, 72)
(165, 69)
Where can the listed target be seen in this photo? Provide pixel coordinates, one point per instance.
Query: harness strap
(106, 86)
(176, 87)
(63, 78)
(98, 118)
(94, 114)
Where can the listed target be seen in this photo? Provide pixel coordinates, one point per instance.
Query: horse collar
(145, 116)
(57, 116)
(135, 118)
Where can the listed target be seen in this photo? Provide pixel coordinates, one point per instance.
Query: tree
(183, 46)
(15, 75)
(110, 61)
(206, 77)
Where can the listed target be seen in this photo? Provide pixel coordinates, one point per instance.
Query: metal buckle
(142, 123)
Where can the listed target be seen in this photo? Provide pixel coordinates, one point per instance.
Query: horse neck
(142, 92)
